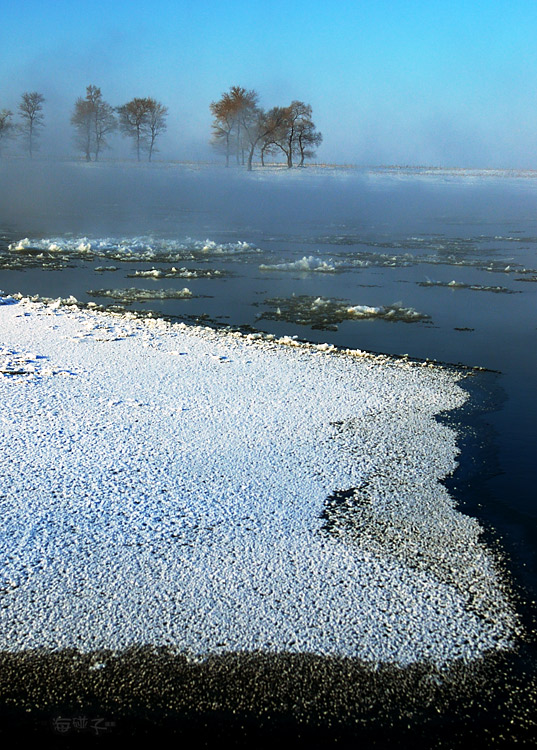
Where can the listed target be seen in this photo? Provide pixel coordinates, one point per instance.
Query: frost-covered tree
(93, 119)
(31, 113)
(142, 120)
(7, 129)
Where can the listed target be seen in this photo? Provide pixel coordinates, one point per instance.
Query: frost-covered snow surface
(168, 485)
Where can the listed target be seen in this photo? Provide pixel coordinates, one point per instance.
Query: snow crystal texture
(170, 486)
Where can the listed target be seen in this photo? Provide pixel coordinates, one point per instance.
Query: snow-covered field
(169, 485)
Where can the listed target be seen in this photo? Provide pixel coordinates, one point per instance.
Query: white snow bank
(171, 489)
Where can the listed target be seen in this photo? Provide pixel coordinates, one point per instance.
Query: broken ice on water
(141, 295)
(319, 312)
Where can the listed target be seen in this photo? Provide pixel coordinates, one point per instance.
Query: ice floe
(58, 252)
(248, 495)
(305, 264)
(141, 295)
(178, 273)
(472, 287)
(319, 312)
(349, 252)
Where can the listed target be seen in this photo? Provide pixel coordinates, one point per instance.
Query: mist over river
(429, 264)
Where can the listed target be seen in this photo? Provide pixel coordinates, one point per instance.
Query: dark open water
(447, 260)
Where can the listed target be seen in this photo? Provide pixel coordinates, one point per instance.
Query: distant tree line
(142, 120)
(241, 127)
(30, 111)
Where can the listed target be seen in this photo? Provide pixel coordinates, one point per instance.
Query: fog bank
(177, 199)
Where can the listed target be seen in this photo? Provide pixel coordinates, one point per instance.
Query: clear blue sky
(445, 82)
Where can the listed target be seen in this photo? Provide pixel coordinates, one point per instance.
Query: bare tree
(269, 147)
(142, 120)
(274, 132)
(82, 122)
(297, 136)
(7, 129)
(297, 112)
(104, 121)
(233, 113)
(263, 128)
(156, 123)
(132, 120)
(224, 122)
(93, 119)
(307, 138)
(240, 126)
(245, 103)
(253, 127)
(30, 110)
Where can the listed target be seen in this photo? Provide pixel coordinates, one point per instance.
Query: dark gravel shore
(70, 699)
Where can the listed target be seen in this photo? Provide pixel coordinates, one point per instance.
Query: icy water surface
(438, 265)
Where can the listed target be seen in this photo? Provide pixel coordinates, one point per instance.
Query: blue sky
(390, 81)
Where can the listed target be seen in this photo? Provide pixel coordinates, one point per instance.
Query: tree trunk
(290, 148)
(96, 134)
(250, 157)
(289, 153)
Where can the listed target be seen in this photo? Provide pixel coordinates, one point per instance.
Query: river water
(433, 264)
